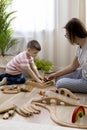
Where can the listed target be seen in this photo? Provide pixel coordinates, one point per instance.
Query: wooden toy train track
(40, 85)
(27, 87)
(65, 92)
(52, 103)
(13, 89)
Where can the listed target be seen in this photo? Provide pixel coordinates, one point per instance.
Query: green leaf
(6, 32)
(43, 65)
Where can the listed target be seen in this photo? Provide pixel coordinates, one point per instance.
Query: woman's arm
(68, 69)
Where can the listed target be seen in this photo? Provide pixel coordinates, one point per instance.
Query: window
(33, 15)
(86, 13)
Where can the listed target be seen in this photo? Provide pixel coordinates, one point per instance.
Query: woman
(74, 76)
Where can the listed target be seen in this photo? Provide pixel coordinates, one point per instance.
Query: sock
(4, 81)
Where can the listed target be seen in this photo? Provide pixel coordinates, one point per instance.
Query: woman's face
(71, 39)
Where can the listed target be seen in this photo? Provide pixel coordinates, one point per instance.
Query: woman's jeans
(72, 81)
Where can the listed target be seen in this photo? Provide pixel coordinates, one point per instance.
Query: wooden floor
(37, 120)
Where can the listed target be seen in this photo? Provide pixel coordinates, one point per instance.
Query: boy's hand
(40, 77)
(40, 81)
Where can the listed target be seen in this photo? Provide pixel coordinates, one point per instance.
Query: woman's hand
(51, 76)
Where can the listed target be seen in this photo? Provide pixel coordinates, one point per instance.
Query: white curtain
(44, 20)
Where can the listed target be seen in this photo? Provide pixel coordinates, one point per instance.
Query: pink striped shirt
(19, 63)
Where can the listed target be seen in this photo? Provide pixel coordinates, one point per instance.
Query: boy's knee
(23, 80)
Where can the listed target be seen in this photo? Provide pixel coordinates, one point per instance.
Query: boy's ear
(28, 49)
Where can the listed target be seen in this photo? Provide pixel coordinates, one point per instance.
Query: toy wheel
(78, 112)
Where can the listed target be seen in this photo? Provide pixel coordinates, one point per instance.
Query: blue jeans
(13, 79)
(72, 81)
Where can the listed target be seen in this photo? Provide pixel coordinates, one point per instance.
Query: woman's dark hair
(33, 44)
(75, 28)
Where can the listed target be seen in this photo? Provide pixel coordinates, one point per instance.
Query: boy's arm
(32, 74)
(34, 68)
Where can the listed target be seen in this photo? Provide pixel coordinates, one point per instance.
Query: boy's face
(32, 52)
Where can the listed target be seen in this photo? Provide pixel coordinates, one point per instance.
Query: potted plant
(6, 32)
(43, 65)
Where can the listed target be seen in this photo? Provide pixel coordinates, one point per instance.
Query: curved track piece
(7, 108)
(47, 102)
(21, 113)
(13, 89)
(58, 101)
(35, 108)
(10, 89)
(66, 92)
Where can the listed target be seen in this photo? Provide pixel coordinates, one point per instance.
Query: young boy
(22, 61)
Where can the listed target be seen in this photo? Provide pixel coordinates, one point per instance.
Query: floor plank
(64, 113)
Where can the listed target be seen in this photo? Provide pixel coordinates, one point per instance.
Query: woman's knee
(64, 82)
(59, 83)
